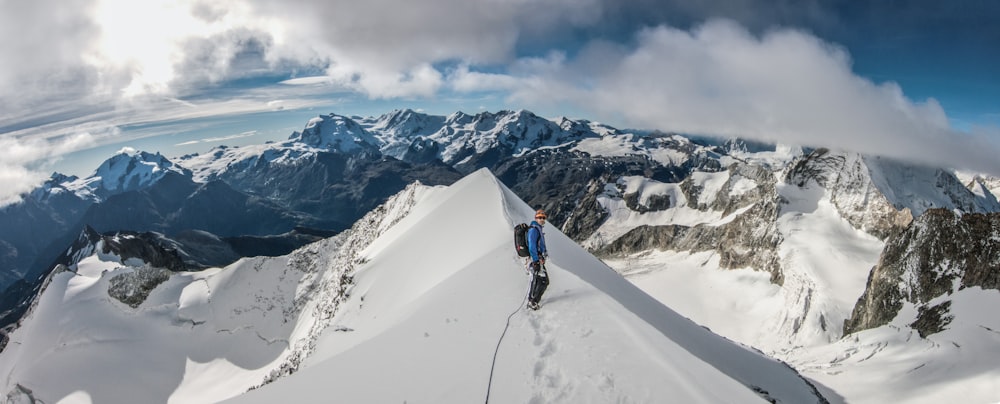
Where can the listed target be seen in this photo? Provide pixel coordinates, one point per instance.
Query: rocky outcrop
(939, 253)
(586, 217)
(751, 239)
(133, 287)
(567, 183)
(654, 203)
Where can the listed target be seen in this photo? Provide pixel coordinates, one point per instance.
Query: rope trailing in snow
(510, 221)
(499, 341)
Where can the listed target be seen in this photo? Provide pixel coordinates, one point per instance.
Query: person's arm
(534, 236)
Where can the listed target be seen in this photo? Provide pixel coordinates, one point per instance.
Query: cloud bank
(670, 65)
(784, 86)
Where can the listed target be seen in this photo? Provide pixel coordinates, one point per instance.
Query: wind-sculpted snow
(186, 336)
(422, 327)
(373, 307)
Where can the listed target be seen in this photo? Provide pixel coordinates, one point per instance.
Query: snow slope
(422, 327)
(826, 263)
(425, 305)
(894, 364)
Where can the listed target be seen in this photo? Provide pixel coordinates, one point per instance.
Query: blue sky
(83, 78)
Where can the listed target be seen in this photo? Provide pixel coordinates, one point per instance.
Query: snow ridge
(406, 310)
(331, 274)
(258, 318)
(360, 316)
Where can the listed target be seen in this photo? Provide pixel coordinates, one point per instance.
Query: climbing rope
(499, 341)
(510, 221)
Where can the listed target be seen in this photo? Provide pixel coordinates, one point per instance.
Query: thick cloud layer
(784, 86)
(731, 68)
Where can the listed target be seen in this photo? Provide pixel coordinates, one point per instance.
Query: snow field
(427, 325)
(421, 319)
(826, 263)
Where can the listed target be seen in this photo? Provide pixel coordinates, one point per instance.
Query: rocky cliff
(939, 253)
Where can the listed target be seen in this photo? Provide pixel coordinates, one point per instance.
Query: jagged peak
(407, 123)
(59, 178)
(459, 118)
(131, 169)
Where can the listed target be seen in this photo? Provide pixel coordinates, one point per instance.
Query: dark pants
(539, 281)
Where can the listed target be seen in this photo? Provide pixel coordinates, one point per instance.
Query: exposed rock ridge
(750, 239)
(939, 253)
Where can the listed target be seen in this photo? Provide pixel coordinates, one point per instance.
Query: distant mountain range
(852, 242)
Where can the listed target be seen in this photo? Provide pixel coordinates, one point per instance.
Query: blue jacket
(536, 242)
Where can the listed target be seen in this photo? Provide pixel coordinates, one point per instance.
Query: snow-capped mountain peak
(127, 170)
(407, 124)
(336, 133)
(459, 118)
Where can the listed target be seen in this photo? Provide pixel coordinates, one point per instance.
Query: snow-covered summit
(881, 195)
(405, 134)
(371, 316)
(406, 124)
(132, 169)
(127, 170)
(336, 133)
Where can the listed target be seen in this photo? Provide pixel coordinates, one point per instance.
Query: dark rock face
(29, 227)
(132, 288)
(271, 246)
(749, 240)
(645, 238)
(654, 204)
(567, 183)
(332, 190)
(587, 216)
(939, 252)
(145, 247)
(15, 300)
(932, 320)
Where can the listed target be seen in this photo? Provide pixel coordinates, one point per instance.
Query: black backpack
(521, 240)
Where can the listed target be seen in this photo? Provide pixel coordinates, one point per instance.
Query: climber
(536, 247)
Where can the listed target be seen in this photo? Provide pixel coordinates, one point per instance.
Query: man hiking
(536, 248)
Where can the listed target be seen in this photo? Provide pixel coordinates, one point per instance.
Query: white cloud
(220, 138)
(16, 155)
(422, 80)
(784, 86)
(111, 62)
